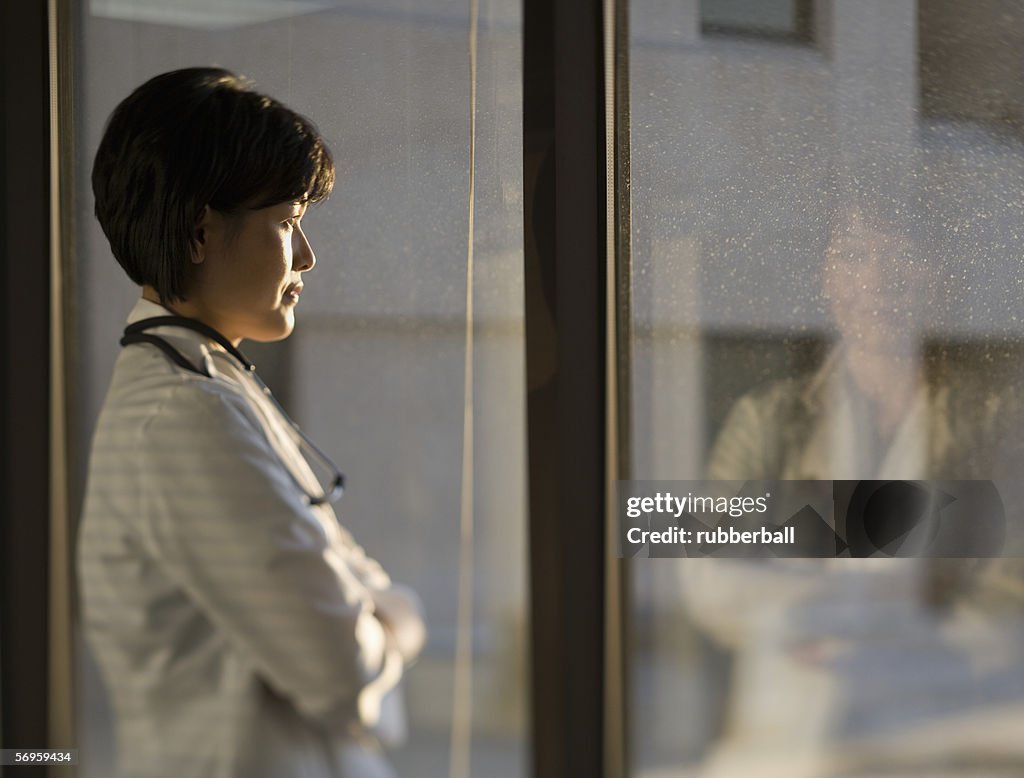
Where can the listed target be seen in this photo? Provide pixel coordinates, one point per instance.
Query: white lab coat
(830, 652)
(233, 623)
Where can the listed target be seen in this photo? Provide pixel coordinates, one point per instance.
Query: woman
(239, 628)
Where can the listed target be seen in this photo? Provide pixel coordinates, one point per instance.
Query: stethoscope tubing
(135, 333)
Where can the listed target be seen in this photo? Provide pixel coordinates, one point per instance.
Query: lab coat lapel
(835, 447)
(907, 456)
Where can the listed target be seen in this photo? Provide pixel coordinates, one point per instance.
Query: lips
(293, 291)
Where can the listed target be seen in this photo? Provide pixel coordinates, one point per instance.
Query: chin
(273, 334)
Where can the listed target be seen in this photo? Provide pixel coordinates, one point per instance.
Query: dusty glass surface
(828, 285)
(374, 369)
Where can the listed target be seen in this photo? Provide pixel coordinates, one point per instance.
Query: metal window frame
(576, 224)
(25, 377)
(36, 678)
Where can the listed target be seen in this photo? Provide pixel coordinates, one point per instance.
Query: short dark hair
(192, 138)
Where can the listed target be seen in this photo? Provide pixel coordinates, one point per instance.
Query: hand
(400, 610)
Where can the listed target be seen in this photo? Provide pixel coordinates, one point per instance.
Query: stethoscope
(134, 333)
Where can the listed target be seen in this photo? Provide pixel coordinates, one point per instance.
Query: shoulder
(196, 413)
(148, 392)
(751, 440)
(984, 421)
(773, 402)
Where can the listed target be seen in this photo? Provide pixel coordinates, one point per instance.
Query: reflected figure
(868, 411)
(869, 666)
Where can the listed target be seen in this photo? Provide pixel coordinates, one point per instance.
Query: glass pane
(374, 368)
(827, 285)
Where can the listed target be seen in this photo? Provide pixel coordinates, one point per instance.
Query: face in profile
(249, 272)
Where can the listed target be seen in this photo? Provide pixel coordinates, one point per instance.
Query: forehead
(288, 206)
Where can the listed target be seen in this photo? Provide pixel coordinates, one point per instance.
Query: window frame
(25, 334)
(576, 224)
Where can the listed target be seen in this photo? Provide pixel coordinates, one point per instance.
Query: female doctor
(239, 628)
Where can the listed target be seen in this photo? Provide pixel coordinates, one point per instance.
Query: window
(374, 369)
(826, 285)
(845, 220)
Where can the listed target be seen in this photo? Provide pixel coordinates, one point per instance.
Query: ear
(199, 235)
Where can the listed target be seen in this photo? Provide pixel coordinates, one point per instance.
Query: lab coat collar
(192, 345)
(830, 450)
(197, 348)
(814, 396)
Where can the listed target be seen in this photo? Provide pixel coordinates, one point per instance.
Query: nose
(303, 257)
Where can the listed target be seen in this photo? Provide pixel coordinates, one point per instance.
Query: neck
(190, 310)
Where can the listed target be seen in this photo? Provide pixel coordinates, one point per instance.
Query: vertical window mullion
(25, 377)
(565, 275)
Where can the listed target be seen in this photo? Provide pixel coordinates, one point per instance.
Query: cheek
(275, 257)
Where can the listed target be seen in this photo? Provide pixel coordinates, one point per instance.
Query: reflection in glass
(827, 285)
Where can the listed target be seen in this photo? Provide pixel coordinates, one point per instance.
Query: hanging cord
(462, 692)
